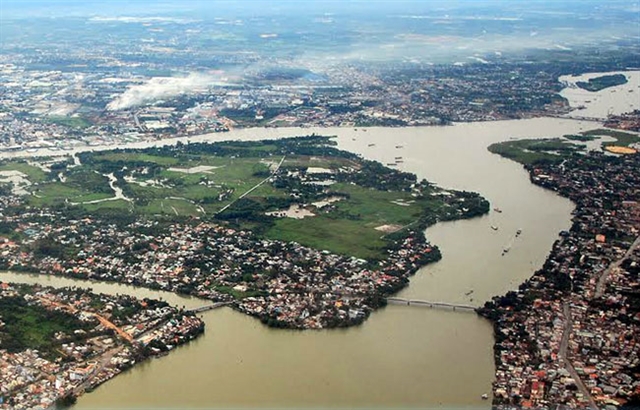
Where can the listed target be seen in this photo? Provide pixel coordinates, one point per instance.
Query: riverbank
(283, 280)
(600, 104)
(570, 335)
(60, 343)
(409, 356)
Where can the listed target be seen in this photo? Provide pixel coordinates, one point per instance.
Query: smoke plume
(158, 88)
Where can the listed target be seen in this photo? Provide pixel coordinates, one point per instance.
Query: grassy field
(72, 122)
(199, 181)
(47, 194)
(336, 235)
(108, 205)
(34, 174)
(130, 157)
(351, 228)
(623, 139)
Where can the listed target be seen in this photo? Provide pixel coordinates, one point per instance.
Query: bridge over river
(208, 307)
(431, 304)
(394, 300)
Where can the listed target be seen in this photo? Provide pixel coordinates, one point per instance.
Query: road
(105, 360)
(104, 321)
(564, 344)
(258, 185)
(110, 325)
(602, 280)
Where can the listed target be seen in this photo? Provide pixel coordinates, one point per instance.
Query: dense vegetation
(530, 152)
(32, 326)
(600, 83)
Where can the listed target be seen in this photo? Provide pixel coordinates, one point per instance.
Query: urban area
(299, 234)
(571, 334)
(59, 343)
(283, 283)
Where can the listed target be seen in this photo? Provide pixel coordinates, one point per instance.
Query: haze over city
(442, 198)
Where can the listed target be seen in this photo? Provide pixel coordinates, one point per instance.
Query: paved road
(564, 343)
(602, 280)
(105, 360)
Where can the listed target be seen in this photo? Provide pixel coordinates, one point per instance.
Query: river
(402, 356)
(613, 100)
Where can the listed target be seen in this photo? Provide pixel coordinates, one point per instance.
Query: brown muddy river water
(402, 356)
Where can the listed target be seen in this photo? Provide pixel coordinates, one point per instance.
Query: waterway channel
(402, 356)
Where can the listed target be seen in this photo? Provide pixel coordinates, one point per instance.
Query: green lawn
(351, 229)
(34, 174)
(72, 122)
(183, 208)
(118, 204)
(79, 187)
(134, 157)
(622, 138)
(319, 162)
(91, 197)
(341, 236)
(378, 207)
(52, 193)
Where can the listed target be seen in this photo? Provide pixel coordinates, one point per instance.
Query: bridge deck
(208, 307)
(432, 304)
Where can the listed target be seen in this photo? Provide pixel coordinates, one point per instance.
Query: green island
(556, 150)
(294, 231)
(600, 83)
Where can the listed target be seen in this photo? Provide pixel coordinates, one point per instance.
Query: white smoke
(159, 88)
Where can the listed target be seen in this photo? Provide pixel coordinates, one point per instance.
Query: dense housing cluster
(59, 343)
(233, 254)
(285, 284)
(60, 109)
(570, 334)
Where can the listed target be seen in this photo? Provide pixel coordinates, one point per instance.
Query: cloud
(164, 87)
